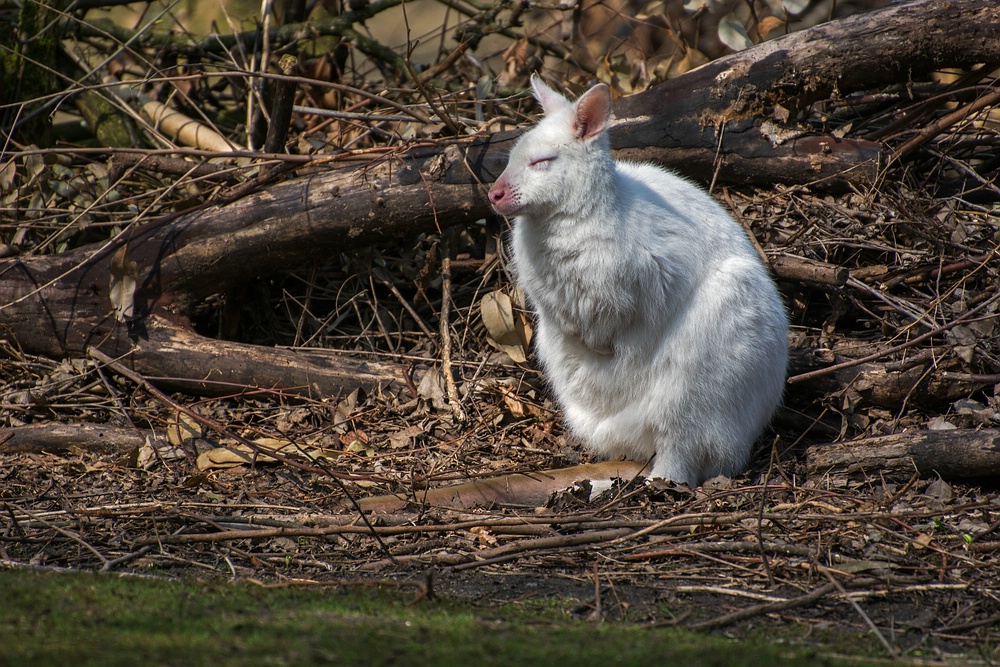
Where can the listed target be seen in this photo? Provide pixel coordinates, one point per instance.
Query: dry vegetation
(176, 484)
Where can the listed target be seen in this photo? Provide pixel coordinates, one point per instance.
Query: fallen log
(956, 454)
(62, 437)
(737, 107)
(201, 366)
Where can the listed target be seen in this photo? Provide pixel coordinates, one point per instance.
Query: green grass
(51, 619)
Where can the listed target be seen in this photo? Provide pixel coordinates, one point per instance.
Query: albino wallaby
(658, 326)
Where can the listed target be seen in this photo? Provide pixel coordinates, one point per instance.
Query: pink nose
(497, 194)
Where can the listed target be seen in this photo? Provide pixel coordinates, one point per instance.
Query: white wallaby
(659, 328)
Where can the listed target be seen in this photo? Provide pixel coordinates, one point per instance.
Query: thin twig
(454, 401)
(211, 423)
(940, 125)
(809, 598)
(896, 348)
(71, 535)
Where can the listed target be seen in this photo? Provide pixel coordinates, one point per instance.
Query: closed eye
(542, 161)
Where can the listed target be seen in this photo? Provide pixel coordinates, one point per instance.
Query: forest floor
(909, 563)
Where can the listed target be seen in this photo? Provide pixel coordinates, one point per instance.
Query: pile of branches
(249, 276)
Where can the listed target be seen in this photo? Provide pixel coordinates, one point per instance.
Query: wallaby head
(553, 167)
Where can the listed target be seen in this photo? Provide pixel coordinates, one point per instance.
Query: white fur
(658, 325)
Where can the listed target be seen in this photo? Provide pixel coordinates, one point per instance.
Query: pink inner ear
(592, 112)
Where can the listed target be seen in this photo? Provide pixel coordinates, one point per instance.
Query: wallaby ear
(593, 111)
(550, 100)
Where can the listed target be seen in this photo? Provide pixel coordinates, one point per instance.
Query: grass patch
(86, 619)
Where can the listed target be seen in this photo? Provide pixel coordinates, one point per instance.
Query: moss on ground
(108, 620)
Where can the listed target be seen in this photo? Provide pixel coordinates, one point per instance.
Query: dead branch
(181, 360)
(809, 271)
(213, 424)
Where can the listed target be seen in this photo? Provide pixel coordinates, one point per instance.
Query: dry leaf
(940, 423)
(282, 446)
(181, 428)
(675, 67)
(693, 6)
(520, 59)
(228, 457)
(147, 455)
(7, 174)
(516, 405)
(223, 457)
(123, 281)
(345, 408)
(769, 24)
(34, 165)
(506, 331)
(733, 34)
(357, 444)
(131, 460)
(351, 437)
(196, 480)
(404, 438)
(513, 403)
(795, 7)
(483, 536)
(153, 450)
(431, 389)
